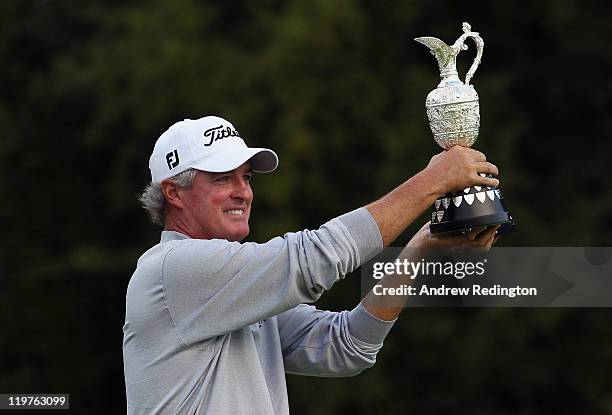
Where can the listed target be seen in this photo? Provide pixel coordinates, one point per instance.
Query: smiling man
(215, 206)
(213, 324)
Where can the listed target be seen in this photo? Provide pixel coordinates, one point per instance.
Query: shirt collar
(167, 236)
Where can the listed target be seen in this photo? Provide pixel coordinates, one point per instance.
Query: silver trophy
(454, 118)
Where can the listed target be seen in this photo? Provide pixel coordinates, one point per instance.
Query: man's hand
(388, 307)
(449, 171)
(458, 168)
(481, 238)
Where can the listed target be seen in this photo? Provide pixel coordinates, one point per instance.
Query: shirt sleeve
(325, 343)
(214, 286)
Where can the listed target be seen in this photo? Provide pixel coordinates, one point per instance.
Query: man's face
(218, 205)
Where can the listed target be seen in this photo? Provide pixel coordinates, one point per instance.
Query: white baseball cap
(209, 144)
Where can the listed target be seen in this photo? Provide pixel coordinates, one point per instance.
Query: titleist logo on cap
(218, 133)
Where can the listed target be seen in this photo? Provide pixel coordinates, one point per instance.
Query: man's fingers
(474, 233)
(488, 181)
(487, 238)
(476, 155)
(487, 234)
(489, 242)
(479, 169)
(487, 167)
(485, 181)
(479, 237)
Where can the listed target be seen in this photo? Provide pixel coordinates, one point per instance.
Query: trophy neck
(450, 78)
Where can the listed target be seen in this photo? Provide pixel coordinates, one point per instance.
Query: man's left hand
(481, 238)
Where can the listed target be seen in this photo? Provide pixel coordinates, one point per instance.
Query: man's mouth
(237, 212)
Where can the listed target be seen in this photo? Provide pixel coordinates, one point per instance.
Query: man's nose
(242, 189)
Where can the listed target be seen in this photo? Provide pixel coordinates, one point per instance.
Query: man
(212, 324)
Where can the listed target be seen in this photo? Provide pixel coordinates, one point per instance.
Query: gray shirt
(212, 326)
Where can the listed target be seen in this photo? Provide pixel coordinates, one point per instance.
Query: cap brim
(262, 160)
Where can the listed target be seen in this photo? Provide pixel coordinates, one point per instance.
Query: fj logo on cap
(172, 159)
(218, 133)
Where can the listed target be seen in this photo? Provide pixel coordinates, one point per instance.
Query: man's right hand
(458, 168)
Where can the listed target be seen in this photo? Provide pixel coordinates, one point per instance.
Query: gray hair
(152, 198)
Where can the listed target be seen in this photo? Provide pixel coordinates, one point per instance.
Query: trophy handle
(460, 45)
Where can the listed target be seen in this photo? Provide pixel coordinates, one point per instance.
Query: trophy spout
(444, 54)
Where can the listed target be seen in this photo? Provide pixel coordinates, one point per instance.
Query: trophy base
(473, 207)
(459, 227)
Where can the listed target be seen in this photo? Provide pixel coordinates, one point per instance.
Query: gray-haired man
(212, 324)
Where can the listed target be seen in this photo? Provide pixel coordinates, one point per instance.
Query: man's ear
(172, 193)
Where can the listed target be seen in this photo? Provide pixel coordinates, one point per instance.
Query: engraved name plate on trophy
(454, 117)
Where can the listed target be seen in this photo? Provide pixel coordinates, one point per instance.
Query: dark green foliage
(337, 89)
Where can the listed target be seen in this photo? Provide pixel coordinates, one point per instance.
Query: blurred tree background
(337, 88)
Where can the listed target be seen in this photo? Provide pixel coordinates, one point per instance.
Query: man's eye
(223, 179)
(248, 177)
